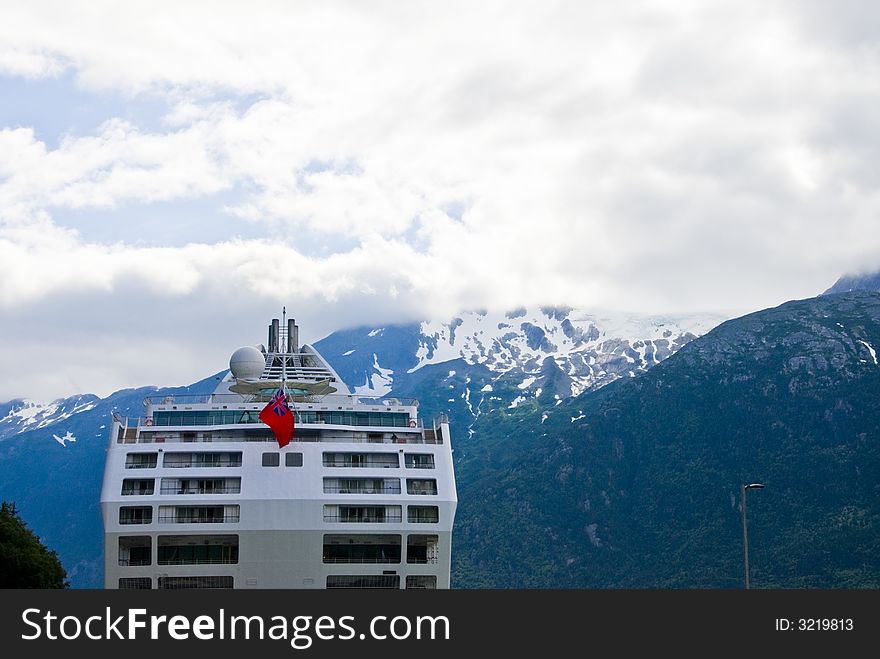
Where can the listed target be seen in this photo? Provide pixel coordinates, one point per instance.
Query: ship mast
(284, 347)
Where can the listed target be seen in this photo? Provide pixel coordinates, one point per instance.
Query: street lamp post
(750, 486)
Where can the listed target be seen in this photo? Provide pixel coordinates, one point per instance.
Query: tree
(25, 562)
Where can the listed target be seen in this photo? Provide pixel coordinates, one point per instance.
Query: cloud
(401, 160)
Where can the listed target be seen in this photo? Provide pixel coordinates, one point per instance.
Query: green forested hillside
(637, 484)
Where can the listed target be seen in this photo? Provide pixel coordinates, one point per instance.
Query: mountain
(849, 283)
(57, 486)
(638, 484)
(481, 360)
(475, 362)
(20, 415)
(571, 472)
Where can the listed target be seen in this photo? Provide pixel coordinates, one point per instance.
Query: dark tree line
(25, 562)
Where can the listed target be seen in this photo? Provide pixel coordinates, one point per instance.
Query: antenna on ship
(283, 350)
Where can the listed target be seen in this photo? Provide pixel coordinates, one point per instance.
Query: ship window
(138, 486)
(249, 417)
(293, 459)
(421, 582)
(271, 459)
(198, 550)
(362, 514)
(136, 515)
(422, 514)
(419, 460)
(135, 550)
(201, 459)
(362, 485)
(367, 548)
(135, 583)
(199, 514)
(200, 486)
(141, 460)
(421, 549)
(381, 460)
(421, 486)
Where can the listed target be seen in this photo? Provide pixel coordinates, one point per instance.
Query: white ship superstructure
(198, 494)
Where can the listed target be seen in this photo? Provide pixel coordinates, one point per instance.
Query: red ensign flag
(279, 418)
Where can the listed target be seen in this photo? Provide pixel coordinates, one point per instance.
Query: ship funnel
(275, 336)
(292, 338)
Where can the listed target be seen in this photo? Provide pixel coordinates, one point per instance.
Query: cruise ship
(198, 493)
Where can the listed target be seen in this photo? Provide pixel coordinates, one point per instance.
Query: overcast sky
(172, 173)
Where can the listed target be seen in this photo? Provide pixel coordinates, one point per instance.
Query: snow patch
(870, 349)
(377, 384)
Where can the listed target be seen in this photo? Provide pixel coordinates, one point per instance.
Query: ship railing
(134, 562)
(364, 519)
(210, 464)
(136, 465)
(341, 489)
(202, 519)
(238, 399)
(358, 464)
(367, 559)
(301, 417)
(216, 490)
(418, 560)
(388, 402)
(197, 561)
(160, 437)
(128, 432)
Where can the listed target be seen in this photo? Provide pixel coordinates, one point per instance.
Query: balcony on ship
(362, 548)
(361, 486)
(197, 550)
(362, 514)
(359, 460)
(135, 551)
(199, 514)
(181, 486)
(422, 549)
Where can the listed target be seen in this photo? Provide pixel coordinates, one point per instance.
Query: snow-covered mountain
(578, 349)
(20, 415)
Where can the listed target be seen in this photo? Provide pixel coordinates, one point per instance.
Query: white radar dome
(247, 363)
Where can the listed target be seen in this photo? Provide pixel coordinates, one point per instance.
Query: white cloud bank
(655, 157)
